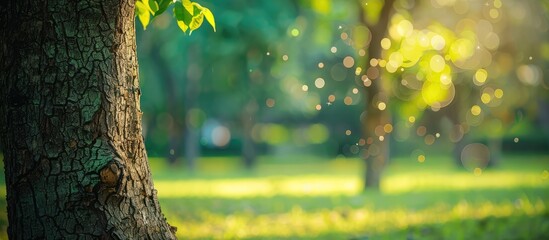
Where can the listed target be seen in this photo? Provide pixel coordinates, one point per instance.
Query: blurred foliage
(467, 57)
(451, 69)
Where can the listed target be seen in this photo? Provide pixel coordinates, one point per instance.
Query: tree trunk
(74, 158)
(377, 149)
(249, 154)
(495, 146)
(193, 75)
(247, 118)
(173, 106)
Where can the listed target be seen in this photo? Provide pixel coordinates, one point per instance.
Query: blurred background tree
(349, 78)
(445, 73)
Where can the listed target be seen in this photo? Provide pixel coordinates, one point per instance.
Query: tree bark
(74, 158)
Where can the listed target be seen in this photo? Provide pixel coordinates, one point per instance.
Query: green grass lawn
(298, 197)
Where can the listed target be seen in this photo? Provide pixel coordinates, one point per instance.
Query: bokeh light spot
(494, 13)
(374, 62)
(385, 43)
(381, 106)
(411, 119)
(476, 110)
(477, 171)
(529, 74)
(270, 102)
(491, 41)
(485, 98)
(295, 32)
(404, 28)
(438, 42)
(358, 71)
(437, 63)
(480, 77)
(221, 136)
(367, 82)
(418, 155)
(497, 3)
(319, 83)
(388, 128)
(498, 93)
(437, 95)
(348, 100)
(348, 62)
(429, 139)
(421, 131)
(421, 158)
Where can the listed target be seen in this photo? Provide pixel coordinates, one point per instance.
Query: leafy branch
(189, 15)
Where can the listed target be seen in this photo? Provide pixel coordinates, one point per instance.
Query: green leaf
(162, 6)
(183, 17)
(209, 17)
(143, 14)
(153, 6)
(189, 15)
(188, 6)
(196, 22)
(207, 13)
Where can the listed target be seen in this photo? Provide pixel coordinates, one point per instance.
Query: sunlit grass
(321, 185)
(304, 197)
(343, 221)
(340, 176)
(323, 199)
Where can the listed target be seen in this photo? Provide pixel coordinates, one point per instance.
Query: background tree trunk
(249, 153)
(377, 150)
(173, 106)
(193, 74)
(74, 158)
(248, 117)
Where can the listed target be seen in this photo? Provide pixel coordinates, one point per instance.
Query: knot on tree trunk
(111, 175)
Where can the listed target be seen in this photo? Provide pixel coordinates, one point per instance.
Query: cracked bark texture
(70, 123)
